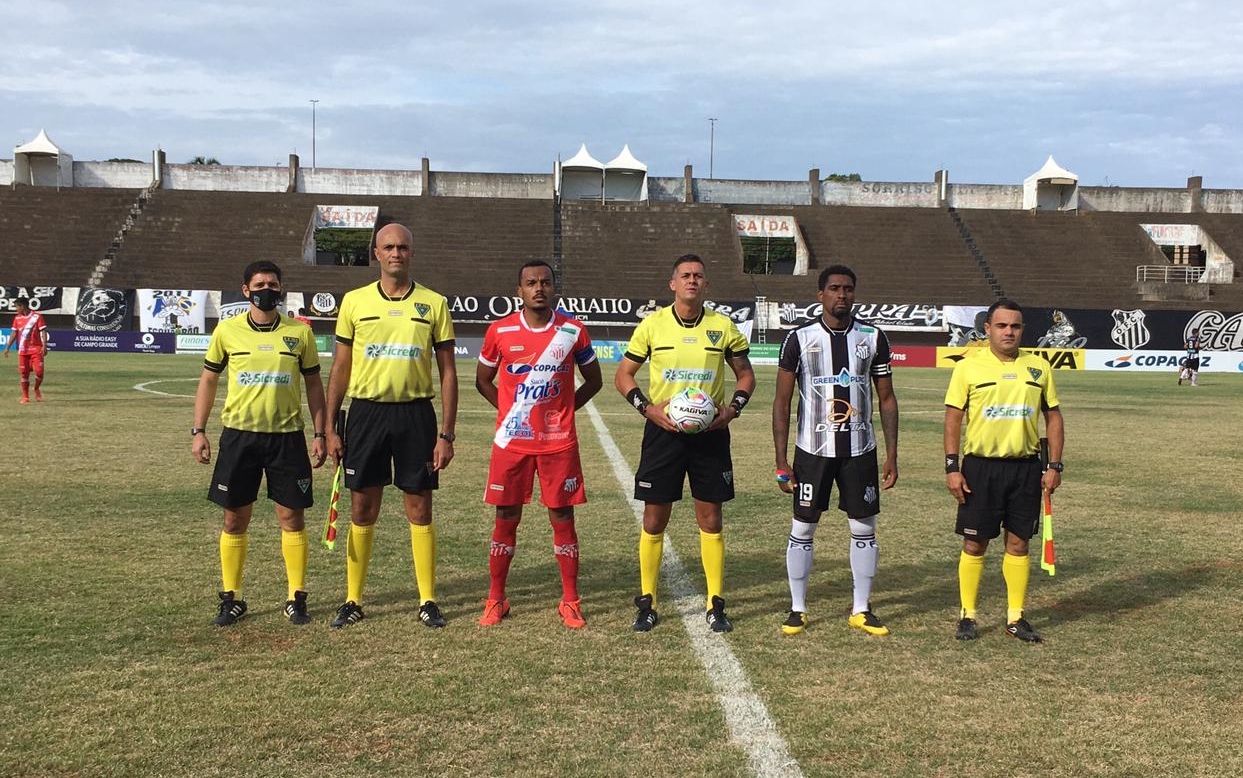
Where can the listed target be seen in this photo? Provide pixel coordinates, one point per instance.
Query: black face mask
(266, 299)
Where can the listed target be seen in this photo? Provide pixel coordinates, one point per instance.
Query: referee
(998, 481)
(389, 336)
(688, 346)
(265, 354)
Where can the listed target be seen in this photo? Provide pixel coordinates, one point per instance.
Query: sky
(1121, 92)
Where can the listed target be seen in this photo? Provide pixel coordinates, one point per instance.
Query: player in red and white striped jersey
(533, 352)
(30, 336)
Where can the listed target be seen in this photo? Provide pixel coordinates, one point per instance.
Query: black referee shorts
(391, 443)
(1004, 493)
(668, 458)
(244, 457)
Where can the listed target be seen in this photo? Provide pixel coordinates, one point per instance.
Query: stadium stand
(471, 245)
(55, 237)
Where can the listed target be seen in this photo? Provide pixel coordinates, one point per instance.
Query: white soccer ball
(691, 410)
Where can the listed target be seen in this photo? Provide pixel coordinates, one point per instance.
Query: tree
(352, 247)
(843, 177)
(201, 160)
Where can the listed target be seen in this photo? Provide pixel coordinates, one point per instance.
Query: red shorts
(30, 363)
(510, 477)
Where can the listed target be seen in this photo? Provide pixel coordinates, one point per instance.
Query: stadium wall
(539, 186)
(402, 183)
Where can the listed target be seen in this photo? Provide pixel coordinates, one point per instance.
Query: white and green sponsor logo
(393, 351)
(259, 378)
(1009, 411)
(687, 374)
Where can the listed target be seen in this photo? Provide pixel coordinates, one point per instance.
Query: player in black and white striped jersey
(834, 360)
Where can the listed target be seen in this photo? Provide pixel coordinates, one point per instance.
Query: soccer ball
(691, 410)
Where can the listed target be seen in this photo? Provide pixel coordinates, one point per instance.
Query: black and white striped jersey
(834, 371)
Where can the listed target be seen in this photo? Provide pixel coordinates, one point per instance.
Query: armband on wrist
(951, 463)
(739, 402)
(636, 398)
(783, 476)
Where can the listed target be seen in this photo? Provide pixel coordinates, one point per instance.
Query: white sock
(798, 562)
(863, 555)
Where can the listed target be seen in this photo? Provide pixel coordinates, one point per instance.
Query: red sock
(565, 548)
(504, 540)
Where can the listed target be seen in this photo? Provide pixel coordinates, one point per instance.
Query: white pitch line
(143, 387)
(749, 723)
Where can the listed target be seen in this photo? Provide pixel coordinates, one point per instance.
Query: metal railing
(1169, 274)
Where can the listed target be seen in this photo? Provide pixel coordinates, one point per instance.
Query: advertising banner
(908, 317)
(913, 356)
(124, 342)
(1162, 361)
(611, 311)
(1058, 358)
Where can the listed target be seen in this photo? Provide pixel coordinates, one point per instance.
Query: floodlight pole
(313, 102)
(711, 143)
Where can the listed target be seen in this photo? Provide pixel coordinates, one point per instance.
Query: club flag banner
(326, 304)
(172, 310)
(103, 310)
(43, 299)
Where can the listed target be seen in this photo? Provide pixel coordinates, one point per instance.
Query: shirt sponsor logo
(266, 347)
(538, 367)
(537, 392)
(994, 412)
(260, 378)
(393, 351)
(514, 328)
(687, 374)
(518, 427)
(690, 340)
(843, 378)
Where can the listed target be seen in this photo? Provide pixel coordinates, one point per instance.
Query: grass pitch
(109, 571)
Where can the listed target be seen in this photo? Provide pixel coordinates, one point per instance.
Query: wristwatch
(197, 430)
(448, 437)
(1056, 467)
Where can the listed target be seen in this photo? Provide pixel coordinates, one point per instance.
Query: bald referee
(997, 482)
(390, 335)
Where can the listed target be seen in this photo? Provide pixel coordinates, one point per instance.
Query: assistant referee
(998, 481)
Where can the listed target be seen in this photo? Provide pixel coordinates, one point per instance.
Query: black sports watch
(448, 437)
(1057, 467)
(196, 430)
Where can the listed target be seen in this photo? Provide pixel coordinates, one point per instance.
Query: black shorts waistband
(1031, 458)
(391, 403)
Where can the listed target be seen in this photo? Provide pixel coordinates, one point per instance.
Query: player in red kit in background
(534, 352)
(30, 336)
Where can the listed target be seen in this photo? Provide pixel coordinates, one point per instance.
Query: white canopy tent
(42, 163)
(1051, 188)
(625, 178)
(581, 177)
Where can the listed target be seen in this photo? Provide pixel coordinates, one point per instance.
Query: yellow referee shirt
(393, 341)
(1003, 401)
(265, 362)
(685, 354)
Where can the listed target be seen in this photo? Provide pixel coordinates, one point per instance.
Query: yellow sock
(232, 561)
(712, 551)
(423, 548)
(970, 571)
(357, 557)
(1016, 570)
(651, 548)
(294, 550)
